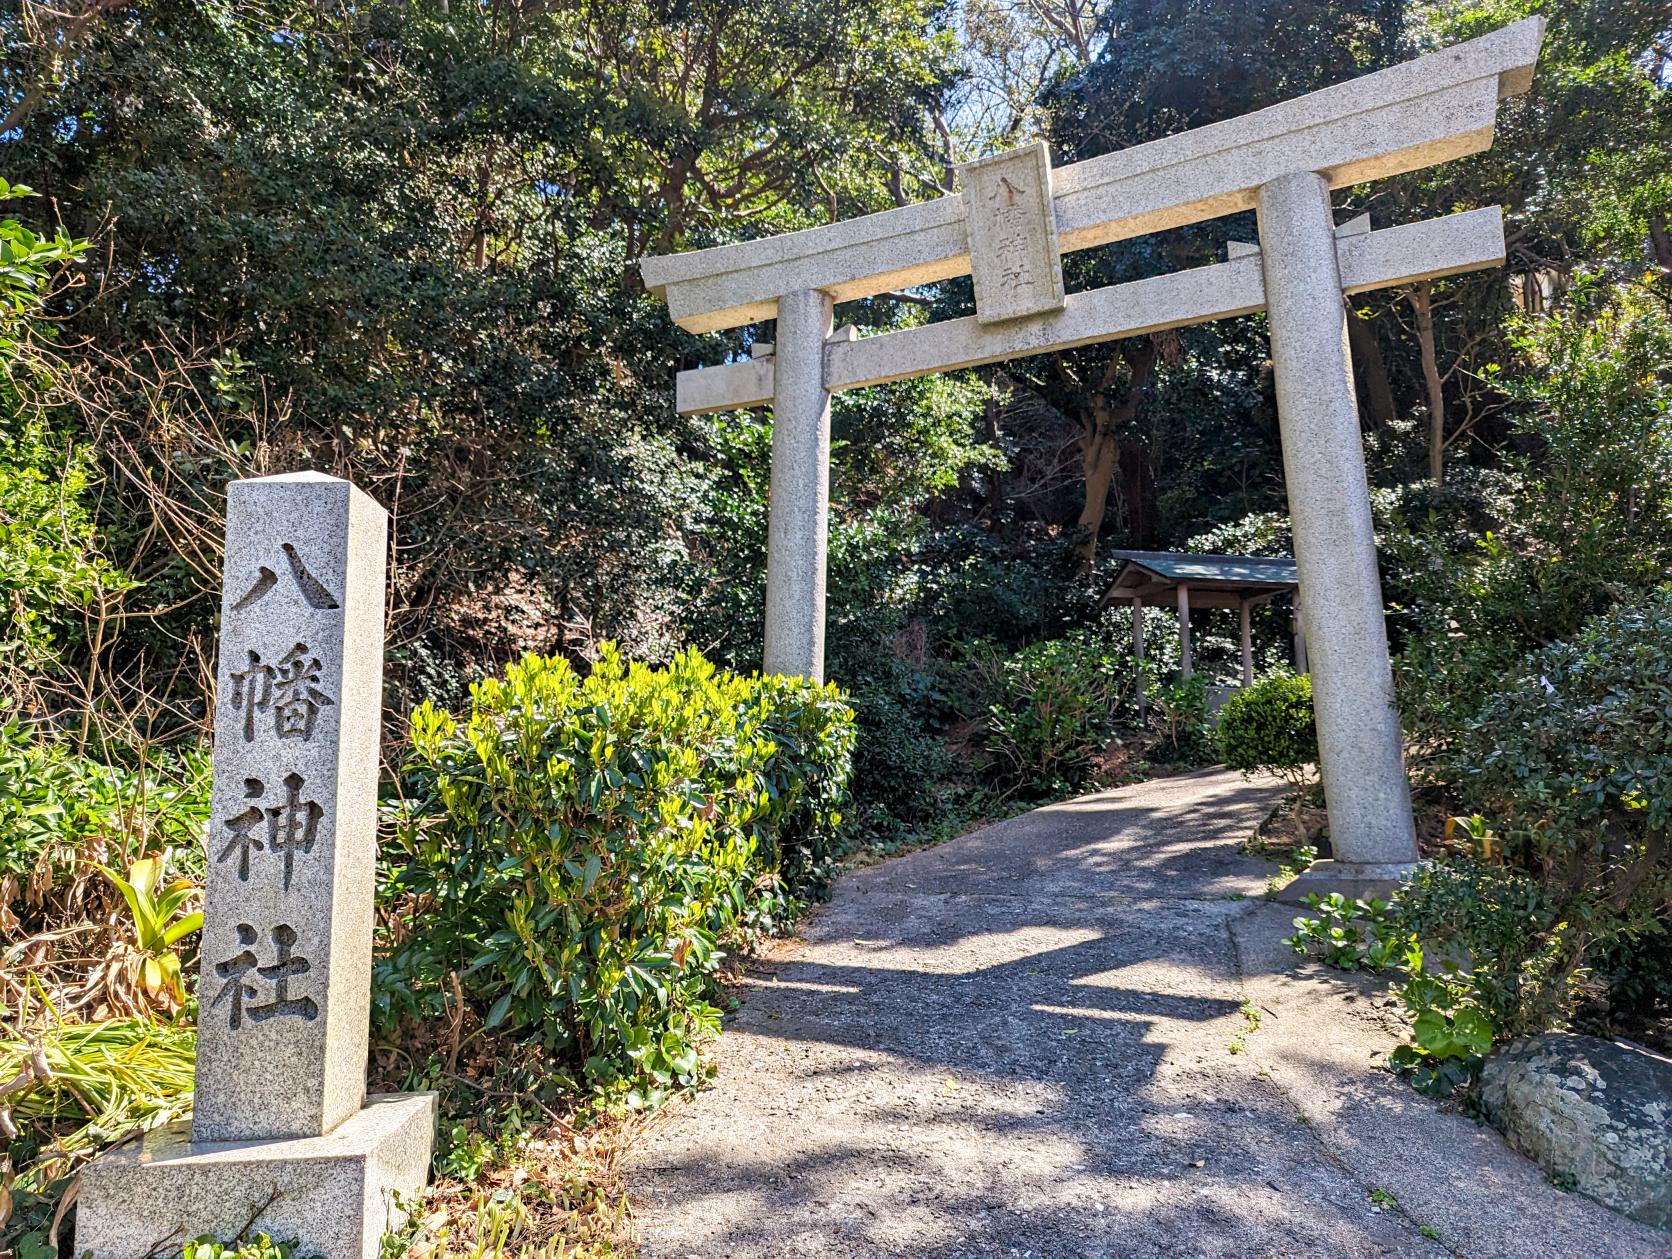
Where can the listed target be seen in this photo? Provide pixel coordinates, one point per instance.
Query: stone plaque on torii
(1008, 227)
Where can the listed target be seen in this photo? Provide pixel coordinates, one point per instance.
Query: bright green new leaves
(158, 924)
(582, 853)
(260, 1246)
(1450, 1033)
(1451, 1027)
(1349, 933)
(28, 262)
(48, 558)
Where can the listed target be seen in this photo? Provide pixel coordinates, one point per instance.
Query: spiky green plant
(157, 929)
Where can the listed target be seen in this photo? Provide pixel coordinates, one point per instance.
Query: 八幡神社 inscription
(1015, 261)
(303, 588)
(288, 692)
(282, 1139)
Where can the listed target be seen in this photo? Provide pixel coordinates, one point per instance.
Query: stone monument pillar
(283, 1134)
(1363, 767)
(799, 503)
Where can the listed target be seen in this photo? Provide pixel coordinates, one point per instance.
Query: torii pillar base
(1352, 879)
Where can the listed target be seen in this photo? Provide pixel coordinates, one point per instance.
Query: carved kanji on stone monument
(295, 797)
(240, 990)
(283, 1138)
(288, 690)
(283, 829)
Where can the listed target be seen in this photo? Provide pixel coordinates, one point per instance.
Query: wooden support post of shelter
(1187, 666)
(1245, 630)
(1138, 654)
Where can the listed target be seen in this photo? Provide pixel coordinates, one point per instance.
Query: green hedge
(581, 852)
(60, 809)
(1575, 749)
(1268, 728)
(1571, 762)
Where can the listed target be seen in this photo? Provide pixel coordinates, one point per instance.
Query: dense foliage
(60, 810)
(579, 855)
(1058, 704)
(1572, 759)
(1584, 523)
(1557, 908)
(399, 241)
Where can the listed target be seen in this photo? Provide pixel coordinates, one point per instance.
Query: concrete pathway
(1034, 1041)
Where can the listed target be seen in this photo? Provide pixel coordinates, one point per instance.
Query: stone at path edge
(1594, 1112)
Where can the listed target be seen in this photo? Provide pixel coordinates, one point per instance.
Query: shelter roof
(1153, 572)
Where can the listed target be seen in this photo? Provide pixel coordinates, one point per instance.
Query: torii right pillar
(1361, 754)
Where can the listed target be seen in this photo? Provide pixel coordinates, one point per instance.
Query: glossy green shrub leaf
(584, 852)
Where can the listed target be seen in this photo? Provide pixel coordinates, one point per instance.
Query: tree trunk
(1421, 297)
(1099, 456)
(995, 482)
(1136, 487)
(1660, 242)
(1100, 439)
(1372, 369)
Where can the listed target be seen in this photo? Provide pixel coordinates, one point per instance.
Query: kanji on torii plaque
(1280, 162)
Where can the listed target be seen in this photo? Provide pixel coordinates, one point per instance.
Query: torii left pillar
(798, 508)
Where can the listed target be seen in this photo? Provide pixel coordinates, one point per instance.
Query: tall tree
(1582, 165)
(1167, 66)
(398, 240)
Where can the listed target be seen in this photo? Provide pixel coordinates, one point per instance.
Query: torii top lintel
(1420, 113)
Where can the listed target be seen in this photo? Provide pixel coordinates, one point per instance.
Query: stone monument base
(334, 1194)
(1350, 878)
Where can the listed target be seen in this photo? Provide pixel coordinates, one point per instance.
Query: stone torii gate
(1008, 228)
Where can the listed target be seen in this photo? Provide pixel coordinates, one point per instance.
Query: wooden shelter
(1161, 579)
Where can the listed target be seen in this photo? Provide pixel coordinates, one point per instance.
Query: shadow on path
(1030, 1040)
